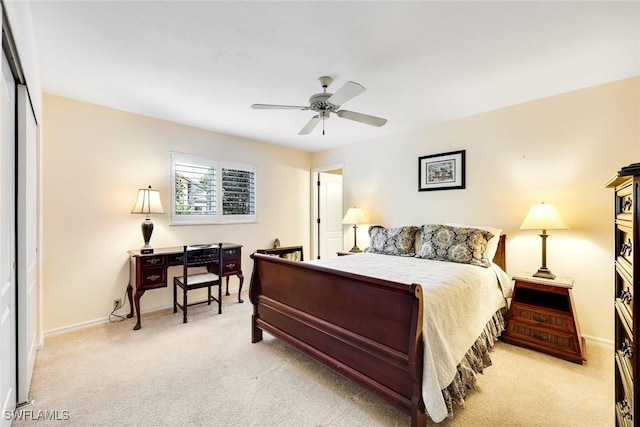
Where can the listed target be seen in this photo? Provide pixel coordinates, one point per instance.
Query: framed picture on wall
(444, 171)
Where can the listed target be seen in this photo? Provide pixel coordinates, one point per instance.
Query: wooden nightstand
(344, 253)
(542, 317)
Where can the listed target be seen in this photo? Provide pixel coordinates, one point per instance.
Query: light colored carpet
(207, 373)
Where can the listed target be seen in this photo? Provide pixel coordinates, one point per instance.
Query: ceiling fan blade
(345, 93)
(362, 118)
(277, 107)
(310, 125)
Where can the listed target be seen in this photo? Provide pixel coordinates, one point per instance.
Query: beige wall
(94, 161)
(560, 150)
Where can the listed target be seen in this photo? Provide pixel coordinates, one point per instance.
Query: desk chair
(209, 256)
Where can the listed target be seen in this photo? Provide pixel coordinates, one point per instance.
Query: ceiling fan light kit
(325, 103)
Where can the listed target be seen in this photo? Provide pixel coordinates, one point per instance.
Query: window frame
(219, 217)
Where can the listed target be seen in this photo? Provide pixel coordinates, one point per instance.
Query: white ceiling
(204, 63)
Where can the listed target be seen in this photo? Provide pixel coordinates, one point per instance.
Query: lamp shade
(543, 217)
(148, 202)
(354, 216)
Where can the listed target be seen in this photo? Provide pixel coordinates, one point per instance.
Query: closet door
(7, 244)
(28, 307)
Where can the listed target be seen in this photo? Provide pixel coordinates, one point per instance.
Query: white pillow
(492, 244)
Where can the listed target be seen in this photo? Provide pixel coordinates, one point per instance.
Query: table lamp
(354, 216)
(543, 217)
(148, 202)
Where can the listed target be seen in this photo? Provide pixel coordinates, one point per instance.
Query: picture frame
(444, 171)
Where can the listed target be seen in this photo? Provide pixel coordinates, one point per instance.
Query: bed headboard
(500, 257)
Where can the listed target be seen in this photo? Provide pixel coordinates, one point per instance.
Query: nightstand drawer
(541, 317)
(544, 337)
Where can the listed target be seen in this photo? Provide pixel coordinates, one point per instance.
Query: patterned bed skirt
(474, 362)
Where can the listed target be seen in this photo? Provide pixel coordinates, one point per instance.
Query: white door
(330, 214)
(7, 245)
(27, 243)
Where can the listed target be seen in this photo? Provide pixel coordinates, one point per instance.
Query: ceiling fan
(326, 103)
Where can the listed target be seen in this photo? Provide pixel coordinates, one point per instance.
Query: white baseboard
(598, 341)
(74, 327)
(90, 323)
(82, 325)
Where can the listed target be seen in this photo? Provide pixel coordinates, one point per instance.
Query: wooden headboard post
(500, 257)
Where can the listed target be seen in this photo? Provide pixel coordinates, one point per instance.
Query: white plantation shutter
(238, 192)
(209, 191)
(196, 192)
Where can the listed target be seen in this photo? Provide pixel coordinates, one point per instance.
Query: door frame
(314, 203)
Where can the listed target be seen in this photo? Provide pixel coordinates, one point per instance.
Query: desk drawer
(230, 252)
(176, 259)
(153, 261)
(231, 265)
(153, 278)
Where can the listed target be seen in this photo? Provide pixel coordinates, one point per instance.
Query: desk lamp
(148, 203)
(543, 217)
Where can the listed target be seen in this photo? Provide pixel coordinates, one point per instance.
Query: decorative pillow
(464, 245)
(392, 241)
(492, 245)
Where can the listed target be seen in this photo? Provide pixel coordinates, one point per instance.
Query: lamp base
(355, 249)
(544, 273)
(147, 229)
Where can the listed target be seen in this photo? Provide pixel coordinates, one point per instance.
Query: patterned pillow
(464, 245)
(392, 241)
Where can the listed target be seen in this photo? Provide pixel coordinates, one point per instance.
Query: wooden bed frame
(367, 329)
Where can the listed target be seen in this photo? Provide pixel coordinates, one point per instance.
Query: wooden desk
(149, 271)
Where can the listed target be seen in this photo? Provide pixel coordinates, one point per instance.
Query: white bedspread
(459, 300)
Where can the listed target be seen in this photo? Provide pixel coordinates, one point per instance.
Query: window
(210, 191)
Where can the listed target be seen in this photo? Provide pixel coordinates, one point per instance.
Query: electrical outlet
(117, 303)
